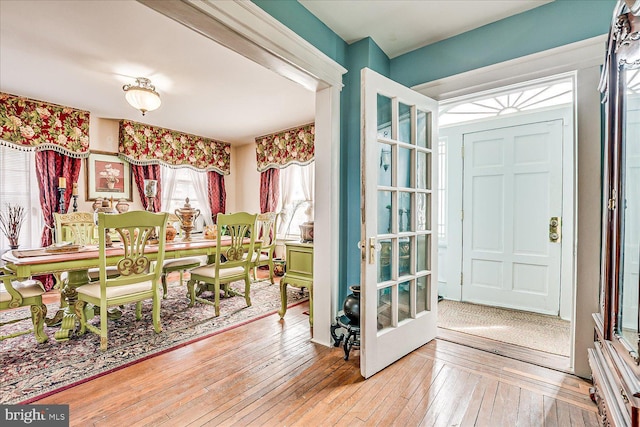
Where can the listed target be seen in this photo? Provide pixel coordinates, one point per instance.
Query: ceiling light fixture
(142, 95)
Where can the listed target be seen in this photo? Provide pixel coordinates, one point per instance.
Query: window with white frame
(513, 100)
(442, 186)
(296, 199)
(19, 186)
(183, 183)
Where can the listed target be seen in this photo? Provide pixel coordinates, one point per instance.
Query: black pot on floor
(351, 306)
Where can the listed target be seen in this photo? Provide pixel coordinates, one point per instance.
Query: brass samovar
(187, 216)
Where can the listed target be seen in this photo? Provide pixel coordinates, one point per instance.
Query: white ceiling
(400, 26)
(80, 53)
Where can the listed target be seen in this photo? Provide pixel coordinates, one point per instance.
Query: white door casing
(512, 188)
(399, 281)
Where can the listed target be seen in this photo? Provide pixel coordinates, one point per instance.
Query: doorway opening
(506, 220)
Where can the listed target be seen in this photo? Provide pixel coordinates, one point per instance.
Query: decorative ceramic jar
(106, 208)
(278, 267)
(187, 215)
(122, 206)
(211, 232)
(97, 204)
(351, 306)
(171, 232)
(306, 232)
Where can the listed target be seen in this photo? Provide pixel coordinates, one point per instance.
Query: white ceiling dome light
(142, 95)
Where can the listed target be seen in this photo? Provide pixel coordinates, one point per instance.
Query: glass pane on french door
(404, 218)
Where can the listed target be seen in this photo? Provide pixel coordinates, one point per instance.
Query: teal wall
(364, 53)
(546, 27)
(552, 25)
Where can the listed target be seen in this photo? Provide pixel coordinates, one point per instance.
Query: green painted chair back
(76, 227)
(266, 232)
(237, 227)
(135, 230)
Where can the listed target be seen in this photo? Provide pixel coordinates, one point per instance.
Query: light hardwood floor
(269, 373)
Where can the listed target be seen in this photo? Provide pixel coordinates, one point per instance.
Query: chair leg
(247, 290)
(138, 310)
(103, 325)
(216, 297)
(164, 284)
(255, 267)
(271, 271)
(156, 313)
(38, 313)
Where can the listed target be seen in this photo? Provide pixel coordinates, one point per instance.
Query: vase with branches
(11, 223)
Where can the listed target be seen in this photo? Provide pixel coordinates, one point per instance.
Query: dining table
(33, 262)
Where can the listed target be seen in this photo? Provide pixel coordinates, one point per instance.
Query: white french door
(399, 248)
(512, 193)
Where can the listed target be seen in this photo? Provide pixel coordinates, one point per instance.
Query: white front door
(399, 256)
(512, 192)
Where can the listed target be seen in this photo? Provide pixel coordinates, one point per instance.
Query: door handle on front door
(555, 229)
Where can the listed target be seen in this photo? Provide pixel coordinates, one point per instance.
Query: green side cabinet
(299, 273)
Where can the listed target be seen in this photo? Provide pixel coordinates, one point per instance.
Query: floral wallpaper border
(143, 144)
(291, 146)
(29, 124)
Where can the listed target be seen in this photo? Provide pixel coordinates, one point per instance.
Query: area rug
(536, 331)
(29, 371)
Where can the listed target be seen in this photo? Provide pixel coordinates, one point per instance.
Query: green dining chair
(232, 262)
(266, 232)
(28, 293)
(139, 277)
(79, 228)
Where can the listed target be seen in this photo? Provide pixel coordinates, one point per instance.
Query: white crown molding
(248, 30)
(563, 59)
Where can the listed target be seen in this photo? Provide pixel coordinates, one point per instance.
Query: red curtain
(140, 173)
(51, 165)
(269, 190)
(217, 194)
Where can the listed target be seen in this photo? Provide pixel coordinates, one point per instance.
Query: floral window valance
(143, 144)
(35, 125)
(291, 146)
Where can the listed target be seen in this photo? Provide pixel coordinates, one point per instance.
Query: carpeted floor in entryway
(537, 331)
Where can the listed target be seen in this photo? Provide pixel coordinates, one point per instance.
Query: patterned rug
(29, 371)
(537, 331)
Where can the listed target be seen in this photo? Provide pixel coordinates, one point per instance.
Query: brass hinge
(460, 279)
(612, 200)
(462, 215)
(462, 151)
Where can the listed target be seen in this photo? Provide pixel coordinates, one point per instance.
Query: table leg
(56, 319)
(283, 298)
(69, 319)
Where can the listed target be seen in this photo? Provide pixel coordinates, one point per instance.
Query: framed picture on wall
(107, 176)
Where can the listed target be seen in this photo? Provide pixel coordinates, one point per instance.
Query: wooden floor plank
(551, 412)
(269, 373)
(530, 410)
(485, 412)
(463, 400)
(536, 357)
